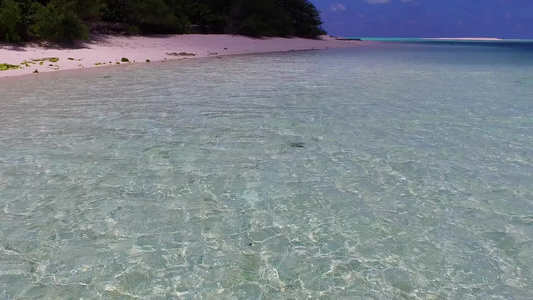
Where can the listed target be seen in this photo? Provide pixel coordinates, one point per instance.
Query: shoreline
(108, 50)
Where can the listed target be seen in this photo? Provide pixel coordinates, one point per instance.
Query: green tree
(208, 16)
(63, 20)
(260, 18)
(10, 21)
(148, 16)
(120, 11)
(275, 18)
(58, 22)
(156, 16)
(90, 10)
(178, 9)
(305, 18)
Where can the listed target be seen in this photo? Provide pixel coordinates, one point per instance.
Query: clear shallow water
(390, 172)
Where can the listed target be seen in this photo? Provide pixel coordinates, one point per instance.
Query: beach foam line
(117, 50)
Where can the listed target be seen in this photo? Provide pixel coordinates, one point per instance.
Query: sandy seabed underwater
(398, 171)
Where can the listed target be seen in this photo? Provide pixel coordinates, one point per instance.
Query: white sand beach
(106, 51)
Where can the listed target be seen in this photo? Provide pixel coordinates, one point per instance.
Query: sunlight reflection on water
(382, 173)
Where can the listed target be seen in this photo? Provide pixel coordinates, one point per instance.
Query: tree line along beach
(44, 36)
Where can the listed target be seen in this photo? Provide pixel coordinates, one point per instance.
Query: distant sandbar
(467, 39)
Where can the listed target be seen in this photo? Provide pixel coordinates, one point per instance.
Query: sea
(390, 171)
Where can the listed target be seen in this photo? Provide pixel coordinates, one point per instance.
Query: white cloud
(337, 7)
(377, 1)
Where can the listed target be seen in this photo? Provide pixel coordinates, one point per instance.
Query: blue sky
(428, 18)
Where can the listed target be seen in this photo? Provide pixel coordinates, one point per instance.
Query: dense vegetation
(71, 20)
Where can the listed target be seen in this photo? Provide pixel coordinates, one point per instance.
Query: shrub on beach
(58, 22)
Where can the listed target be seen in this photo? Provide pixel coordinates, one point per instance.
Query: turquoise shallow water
(391, 172)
